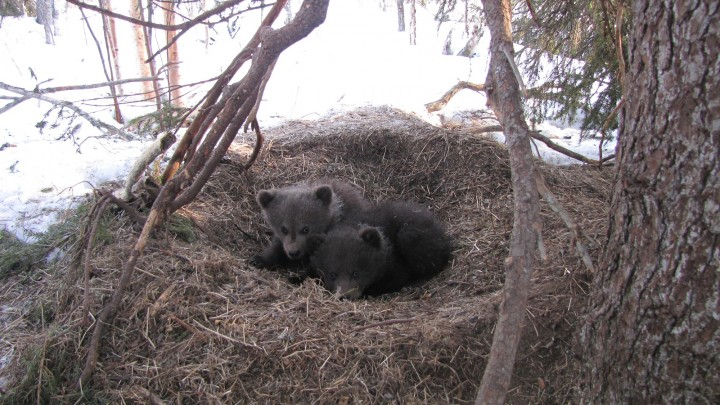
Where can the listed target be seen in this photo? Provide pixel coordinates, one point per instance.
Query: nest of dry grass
(200, 325)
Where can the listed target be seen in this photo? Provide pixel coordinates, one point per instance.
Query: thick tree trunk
(653, 331)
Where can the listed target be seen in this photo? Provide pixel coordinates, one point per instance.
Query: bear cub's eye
(356, 274)
(332, 276)
(305, 230)
(284, 230)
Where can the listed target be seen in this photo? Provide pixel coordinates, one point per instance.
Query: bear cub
(381, 250)
(297, 212)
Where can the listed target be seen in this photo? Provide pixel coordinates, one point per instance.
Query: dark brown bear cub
(302, 210)
(381, 251)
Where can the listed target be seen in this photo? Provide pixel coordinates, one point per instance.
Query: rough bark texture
(652, 334)
(503, 92)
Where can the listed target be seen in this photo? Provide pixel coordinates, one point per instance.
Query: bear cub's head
(349, 259)
(295, 213)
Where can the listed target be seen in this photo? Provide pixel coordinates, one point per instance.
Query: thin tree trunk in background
(111, 38)
(652, 335)
(148, 45)
(141, 50)
(113, 67)
(173, 58)
(45, 17)
(504, 97)
(401, 15)
(472, 42)
(447, 47)
(288, 13)
(413, 24)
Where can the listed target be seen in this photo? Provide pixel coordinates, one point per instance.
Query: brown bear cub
(297, 212)
(381, 251)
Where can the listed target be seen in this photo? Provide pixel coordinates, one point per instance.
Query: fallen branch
(440, 103)
(94, 218)
(384, 323)
(158, 147)
(66, 104)
(182, 188)
(555, 205)
(565, 151)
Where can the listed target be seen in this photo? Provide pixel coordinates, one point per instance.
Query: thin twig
(66, 104)
(442, 101)
(556, 206)
(384, 323)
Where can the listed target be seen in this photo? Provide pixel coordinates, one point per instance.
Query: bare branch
(556, 206)
(66, 104)
(565, 151)
(440, 103)
(515, 69)
(384, 323)
(92, 86)
(15, 102)
(160, 145)
(217, 10)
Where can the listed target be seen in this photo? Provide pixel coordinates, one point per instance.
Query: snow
(356, 58)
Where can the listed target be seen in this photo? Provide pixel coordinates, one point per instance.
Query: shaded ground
(199, 325)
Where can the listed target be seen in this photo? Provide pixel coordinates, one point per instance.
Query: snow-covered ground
(356, 58)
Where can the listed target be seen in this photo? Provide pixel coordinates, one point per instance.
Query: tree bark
(401, 15)
(136, 11)
(653, 331)
(413, 23)
(173, 58)
(503, 93)
(45, 17)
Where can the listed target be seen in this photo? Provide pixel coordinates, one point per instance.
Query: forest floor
(198, 324)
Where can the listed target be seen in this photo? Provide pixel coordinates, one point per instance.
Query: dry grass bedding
(198, 324)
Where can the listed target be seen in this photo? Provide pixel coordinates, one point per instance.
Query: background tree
(11, 8)
(580, 41)
(401, 15)
(173, 55)
(141, 50)
(413, 23)
(653, 333)
(46, 18)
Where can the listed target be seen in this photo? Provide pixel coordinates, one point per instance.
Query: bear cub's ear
(324, 194)
(265, 197)
(372, 237)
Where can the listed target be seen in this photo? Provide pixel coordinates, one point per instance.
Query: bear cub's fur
(297, 212)
(381, 250)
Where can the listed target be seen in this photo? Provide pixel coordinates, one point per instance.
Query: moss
(183, 228)
(17, 256)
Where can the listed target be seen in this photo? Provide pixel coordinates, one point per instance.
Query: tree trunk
(413, 24)
(653, 331)
(173, 58)
(45, 17)
(401, 15)
(136, 11)
(472, 42)
(447, 47)
(504, 97)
